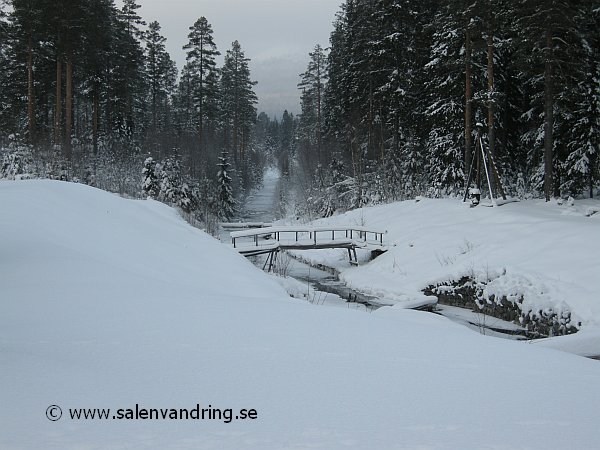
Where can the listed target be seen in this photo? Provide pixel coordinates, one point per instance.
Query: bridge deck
(272, 239)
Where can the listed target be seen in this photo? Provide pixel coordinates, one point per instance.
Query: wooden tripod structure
(482, 155)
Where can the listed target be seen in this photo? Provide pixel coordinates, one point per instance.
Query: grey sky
(276, 35)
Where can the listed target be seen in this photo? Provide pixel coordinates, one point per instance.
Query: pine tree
(27, 17)
(201, 54)
(11, 79)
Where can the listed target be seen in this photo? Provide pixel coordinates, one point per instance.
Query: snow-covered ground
(547, 253)
(109, 303)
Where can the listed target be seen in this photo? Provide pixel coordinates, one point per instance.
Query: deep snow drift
(106, 302)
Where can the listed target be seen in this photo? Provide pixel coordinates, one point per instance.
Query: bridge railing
(244, 225)
(315, 234)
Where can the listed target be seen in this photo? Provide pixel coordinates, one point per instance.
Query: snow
(546, 253)
(304, 229)
(107, 302)
(584, 343)
(549, 253)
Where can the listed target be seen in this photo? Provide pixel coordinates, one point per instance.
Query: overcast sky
(276, 35)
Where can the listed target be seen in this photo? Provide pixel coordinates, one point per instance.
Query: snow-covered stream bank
(323, 287)
(532, 260)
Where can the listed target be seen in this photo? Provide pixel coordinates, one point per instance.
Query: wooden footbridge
(270, 240)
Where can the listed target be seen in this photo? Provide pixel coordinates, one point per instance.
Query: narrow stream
(324, 288)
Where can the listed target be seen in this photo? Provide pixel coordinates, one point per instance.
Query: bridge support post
(271, 259)
(352, 256)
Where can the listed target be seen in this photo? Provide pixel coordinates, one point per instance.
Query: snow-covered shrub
(164, 182)
(150, 186)
(226, 200)
(16, 161)
(188, 198)
(169, 180)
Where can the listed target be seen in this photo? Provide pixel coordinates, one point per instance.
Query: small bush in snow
(17, 161)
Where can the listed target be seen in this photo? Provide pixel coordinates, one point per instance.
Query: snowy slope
(106, 302)
(547, 253)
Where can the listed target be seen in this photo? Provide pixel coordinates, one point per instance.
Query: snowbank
(109, 303)
(546, 253)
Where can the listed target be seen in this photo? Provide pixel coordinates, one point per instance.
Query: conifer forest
(388, 107)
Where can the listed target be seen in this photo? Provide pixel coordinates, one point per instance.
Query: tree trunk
(591, 173)
(30, 91)
(154, 113)
(490, 105)
(95, 119)
(381, 135)
(468, 103)
(68, 108)
(319, 156)
(226, 142)
(201, 101)
(235, 133)
(58, 103)
(548, 118)
(370, 146)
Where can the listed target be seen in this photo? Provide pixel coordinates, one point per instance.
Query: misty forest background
(88, 93)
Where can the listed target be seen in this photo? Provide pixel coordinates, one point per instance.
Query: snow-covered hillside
(547, 254)
(109, 303)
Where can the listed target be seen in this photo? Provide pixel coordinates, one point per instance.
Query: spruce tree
(97, 52)
(226, 201)
(128, 78)
(237, 102)
(581, 168)
(183, 102)
(549, 53)
(311, 121)
(446, 87)
(155, 51)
